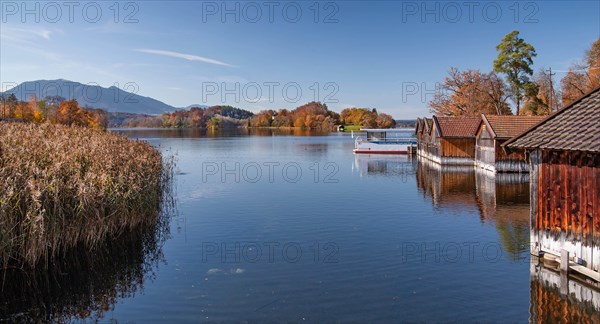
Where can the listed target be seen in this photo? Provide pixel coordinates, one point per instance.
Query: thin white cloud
(28, 40)
(11, 33)
(44, 33)
(189, 57)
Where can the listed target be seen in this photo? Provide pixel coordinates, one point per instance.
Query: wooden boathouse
(564, 154)
(419, 132)
(451, 140)
(423, 134)
(492, 132)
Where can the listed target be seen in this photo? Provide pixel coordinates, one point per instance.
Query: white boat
(385, 141)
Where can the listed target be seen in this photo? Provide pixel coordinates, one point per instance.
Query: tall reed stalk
(62, 186)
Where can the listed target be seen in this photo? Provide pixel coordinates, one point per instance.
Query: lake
(282, 226)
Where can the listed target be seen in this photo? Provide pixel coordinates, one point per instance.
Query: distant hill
(111, 99)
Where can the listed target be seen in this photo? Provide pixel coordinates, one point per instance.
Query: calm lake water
(279, 226)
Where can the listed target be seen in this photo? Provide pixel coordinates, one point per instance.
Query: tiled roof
(457, 126)
(575, 127)
(419, 126)
(509, 126)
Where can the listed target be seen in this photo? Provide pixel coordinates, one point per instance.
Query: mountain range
(112, 99)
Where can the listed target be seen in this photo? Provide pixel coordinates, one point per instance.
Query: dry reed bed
(62, 186)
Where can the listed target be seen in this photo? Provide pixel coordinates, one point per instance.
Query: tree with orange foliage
(66, 112)
(197, 117)
(385, 121)
(282, 119)
(582, 77)
(299, 122)
(314, 115)
(540, 99)
(574, 84)
(471, 93)
(355, 116)
(364, 117)
(262, 119)
(593, 64)
(34, 111)
(69, 113)
(96, 118)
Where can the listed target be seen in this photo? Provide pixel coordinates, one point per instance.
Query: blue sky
(379, 54)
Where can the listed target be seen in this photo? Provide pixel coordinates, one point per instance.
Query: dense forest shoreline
(313, 115)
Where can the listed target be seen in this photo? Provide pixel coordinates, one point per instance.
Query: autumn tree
(196, 117)
(213, 123)
(593, 64)
(34, 112)
(69, 113)
(282, 119)
(314, 115)
(359, 116)
(497, 94)
(470, 93)
(96, 118)
(365, 117)
(534, 104)
(540, 98)
(9, 104)
(574, 84)
(262, 119)
(21, 111)
(515, 58)
(43, 108)
(582, 77)
(385, 121)
(3, 102)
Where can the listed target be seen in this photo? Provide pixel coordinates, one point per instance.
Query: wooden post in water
(564, 284)
(564, 260)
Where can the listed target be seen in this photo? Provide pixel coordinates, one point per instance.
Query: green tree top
(515, 58)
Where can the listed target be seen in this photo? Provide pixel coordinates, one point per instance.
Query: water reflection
(312, 149)
(386, 165)
(558, 299)
(504, 199)
(449, 187)
(501, 199)
(81, 285)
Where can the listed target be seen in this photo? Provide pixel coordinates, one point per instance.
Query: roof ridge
(582, 109)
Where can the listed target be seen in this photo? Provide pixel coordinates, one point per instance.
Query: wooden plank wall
(458, 147)
(484, 147)
(568, 194)
(534, 199)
